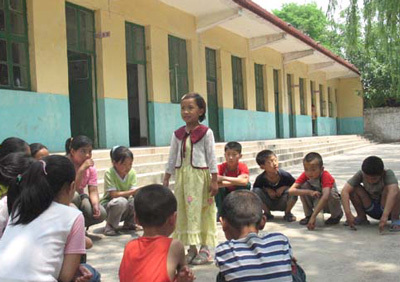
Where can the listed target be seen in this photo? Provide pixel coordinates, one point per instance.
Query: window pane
(78, 70)
(17, 23)
(87, 31)
(18, 53)
(3, 51)
(3, 75)
(72, 30)
(2, 21)
(16, 5)
(20, 77)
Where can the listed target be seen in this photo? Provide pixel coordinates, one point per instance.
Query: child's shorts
(375, 210)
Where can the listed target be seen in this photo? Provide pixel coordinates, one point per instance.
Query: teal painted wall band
(326, 126)
(303, 126)
(116, 121)
(351, 125)
(35, 117)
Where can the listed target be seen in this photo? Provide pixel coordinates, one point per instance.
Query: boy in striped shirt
(247, 255)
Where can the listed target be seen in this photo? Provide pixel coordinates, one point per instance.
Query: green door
(81, 94)
(291, 106)
(212, 93)
(81, 68)
(276, 95)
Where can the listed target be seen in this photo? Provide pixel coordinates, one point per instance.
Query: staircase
(149, 162)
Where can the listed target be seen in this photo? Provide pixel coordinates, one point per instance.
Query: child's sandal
(289, 217)
(203, 257)
(190, 256)
(305, 220)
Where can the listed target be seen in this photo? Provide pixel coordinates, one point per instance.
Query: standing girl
(79, 151)
(192, 156)
(119, 186)
(44, 237)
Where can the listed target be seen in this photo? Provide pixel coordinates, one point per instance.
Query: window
(135, 45)
(178, 69)
(302, 99)
(330, 103)
(259, 75)
(321, 101)
(80, 29)
(14, 54)
(237, 79)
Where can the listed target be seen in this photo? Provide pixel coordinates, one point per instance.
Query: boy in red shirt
(317, 190)
(232, 174)
(154, 256)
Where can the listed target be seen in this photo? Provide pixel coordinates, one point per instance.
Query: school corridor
(327, 254)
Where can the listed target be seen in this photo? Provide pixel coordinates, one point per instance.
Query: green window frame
(330, 103)
(14, 52)
(237, 81)
(178, 68)
(302, 98)
(321, 101)
(135, 44)
(260, 94)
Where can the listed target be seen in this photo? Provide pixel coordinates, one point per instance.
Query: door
(81, 94)
(136, 79)
(81, 69)
(290, 106)
(212, 92)
(276, 95)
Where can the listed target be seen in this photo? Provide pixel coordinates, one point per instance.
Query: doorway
(276, 95)
(290, 105)
(212, 92)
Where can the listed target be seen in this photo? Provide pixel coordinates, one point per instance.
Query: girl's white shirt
(3, 214)
(35, 251)
(203, 153)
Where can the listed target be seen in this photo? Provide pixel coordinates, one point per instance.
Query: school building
(115, 70)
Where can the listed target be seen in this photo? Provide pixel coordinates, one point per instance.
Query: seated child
(38, 151)
(154, 256)
(272, 186)
(232, 174)
(317, 190)
(374, 191)
(119, 187)
(247, 255)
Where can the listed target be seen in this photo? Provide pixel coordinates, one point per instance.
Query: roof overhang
(263, 29)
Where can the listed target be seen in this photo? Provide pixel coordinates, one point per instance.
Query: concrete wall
(383, 123)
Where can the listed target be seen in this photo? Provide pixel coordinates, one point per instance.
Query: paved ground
(327, 254)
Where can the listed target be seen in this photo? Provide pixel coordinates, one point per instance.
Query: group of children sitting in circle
(44, 208)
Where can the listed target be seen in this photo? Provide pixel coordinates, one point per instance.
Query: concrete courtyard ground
(326, 254)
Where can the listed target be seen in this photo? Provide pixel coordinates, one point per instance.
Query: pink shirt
(76, 239)
(89, 179)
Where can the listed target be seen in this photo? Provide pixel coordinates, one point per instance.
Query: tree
(379, 54)
(312, 21)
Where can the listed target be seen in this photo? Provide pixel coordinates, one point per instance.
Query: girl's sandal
(190, 256)
(395, 226)
(203, 257)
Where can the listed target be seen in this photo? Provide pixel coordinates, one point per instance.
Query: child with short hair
(79, 150)
(248, 255)
(318, 193)
(44, 237)
(373, 191)
(38, 151)
(272, 186)
(13, 145)
(154, 256)
(192, 156)
(232, 174)
(120, 186)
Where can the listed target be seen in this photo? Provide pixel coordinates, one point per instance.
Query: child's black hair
(36, 147)
(154, 204)
(119, 154)
(313, 156)
(77, 142)
(13, 145)
(233, 145)
(373, 166)
(39, 185)
(242, 208)
(12, 167)
(200, 102)
(262, 156)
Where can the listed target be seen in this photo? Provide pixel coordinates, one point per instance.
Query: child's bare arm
(321, 204)
(167, 176)
(241, 180)
(214, 184)
(69, 267)
(176, 264)
(94, 199)
(125, 194)
(346, 191)
(295, 190)
(391, 197)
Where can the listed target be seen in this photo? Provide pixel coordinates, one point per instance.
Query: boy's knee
(118, 202)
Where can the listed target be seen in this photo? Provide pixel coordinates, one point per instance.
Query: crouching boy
(373, 191)
(272, 186)
(154, 256)
(318, 193)
(248, 256)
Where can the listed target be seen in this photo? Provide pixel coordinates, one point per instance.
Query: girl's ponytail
(77, 142)
(39, 185)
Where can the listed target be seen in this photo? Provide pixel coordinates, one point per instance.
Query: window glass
(16, 5)
(87, 31)
(3, 75)
(17, 23)
(177, 68)
(20, 77)
(18, 53)
(72, 30)
(3, 51)
(2, 20)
